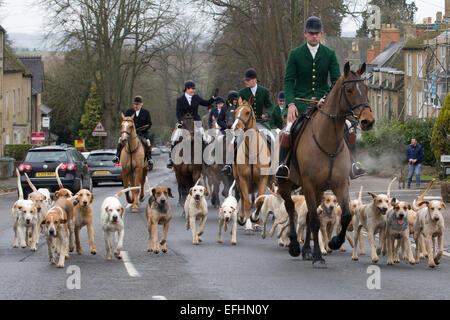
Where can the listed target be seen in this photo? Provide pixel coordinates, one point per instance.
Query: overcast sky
(23, 16)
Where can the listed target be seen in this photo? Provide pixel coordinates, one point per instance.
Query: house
(16, 96)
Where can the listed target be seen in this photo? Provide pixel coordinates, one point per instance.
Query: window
(419, 65)
(420, 108)
(409, 65)
(18, 101)
(408, 102)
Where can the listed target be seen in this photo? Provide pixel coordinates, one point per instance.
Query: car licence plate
(101, 173)
(45, 174)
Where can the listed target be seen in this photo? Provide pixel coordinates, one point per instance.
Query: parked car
(40, 165)
(156, 151)
(102, 168)
(164, 149)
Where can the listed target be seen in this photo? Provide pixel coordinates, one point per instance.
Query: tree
(117, 38)
(439, 143)
(91, 116)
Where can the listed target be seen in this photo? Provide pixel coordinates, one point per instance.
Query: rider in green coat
(276, 120)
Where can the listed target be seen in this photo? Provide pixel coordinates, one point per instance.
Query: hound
(158, 211)
(227, 213)
(82, 202)
(196, 209)
(111, 218)
(62, 192)
(327, 217)
(42, 202)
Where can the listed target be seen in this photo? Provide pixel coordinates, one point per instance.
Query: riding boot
(170, 162)
(356, 168)
(116, 159)
(149, 157)
(282, 172)
(227, 170)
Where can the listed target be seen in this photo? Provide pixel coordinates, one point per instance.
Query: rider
(187, 103)
(262, 106)
(232, 100)
(276, 120)
(142, 122)
(306, 77)
(219, 114)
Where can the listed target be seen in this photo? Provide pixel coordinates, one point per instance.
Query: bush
(389, 139)
(17, 151)
(439, 143)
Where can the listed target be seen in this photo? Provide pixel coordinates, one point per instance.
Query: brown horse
(132, 159)
(324, 160)
(252, 162)
(187, 173)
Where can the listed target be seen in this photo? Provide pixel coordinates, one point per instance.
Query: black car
(40, 165)
(102, 168)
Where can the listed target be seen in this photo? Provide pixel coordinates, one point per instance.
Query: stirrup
(283, 172)
(357, 171)
(170, 164)
(226, 170)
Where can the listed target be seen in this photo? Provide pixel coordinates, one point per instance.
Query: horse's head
(244, 116)
(354, 91)
(127, 127)
(229, 116)
(188, 123)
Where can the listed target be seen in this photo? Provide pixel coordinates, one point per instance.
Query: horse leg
(144, 174)
(312, 199)
(126, 182)
(243, 197)
(306, 251)
(285, 192)
(341, 192)
(135, 182)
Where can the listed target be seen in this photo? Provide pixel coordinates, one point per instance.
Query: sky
(24, 16)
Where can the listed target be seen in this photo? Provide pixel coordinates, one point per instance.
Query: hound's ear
(374, 196)
(347, 69)
(153, 192)
(424, 202)
(106, 208)
(393, 201)
(362, 69)
(92, 198)
(121, 211)
(190, 191)
(221, 209)
(56, 195)
(43, 222)
(170, 192)
(443, 204)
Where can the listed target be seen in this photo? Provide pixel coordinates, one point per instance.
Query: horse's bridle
(129, 134)
(251, 118)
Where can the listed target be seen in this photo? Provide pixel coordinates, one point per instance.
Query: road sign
(45, 122)
(38, 137)
(79, 144)
(99, 130)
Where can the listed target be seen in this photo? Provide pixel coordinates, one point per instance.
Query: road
(254, 269)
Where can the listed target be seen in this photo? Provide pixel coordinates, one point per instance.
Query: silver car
(101, 167)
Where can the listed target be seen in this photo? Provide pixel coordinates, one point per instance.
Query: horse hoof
(307, 255)
(294, 249)
(319, 264)
(241, 223)
(334, 244)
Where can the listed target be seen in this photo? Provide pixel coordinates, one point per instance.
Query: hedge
(17, 151)
(391, 138)
(439, 143)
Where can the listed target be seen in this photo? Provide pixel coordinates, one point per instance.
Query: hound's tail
(198, 181)
(425, 192)
(360, 196)
(230, 192)
(389, 187)
(19, 185)
(57, 176)
(126, 190)
(30, 183)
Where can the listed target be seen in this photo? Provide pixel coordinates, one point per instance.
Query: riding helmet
(281, 96)
(232, 95)
(313, 25)
(250, 74)
(138, 99)
(220, 100)
(189, 85)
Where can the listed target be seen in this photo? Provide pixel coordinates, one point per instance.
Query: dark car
(40, 165)
(102, 168)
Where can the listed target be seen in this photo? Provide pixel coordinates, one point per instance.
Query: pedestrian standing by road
(414, 156)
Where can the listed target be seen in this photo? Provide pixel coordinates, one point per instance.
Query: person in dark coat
(187, 103)
(219, 114)
(414, 156)
(142, 122)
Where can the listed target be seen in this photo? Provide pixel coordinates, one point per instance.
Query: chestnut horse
(187, 173)
(132, 159)
(252, 161)
(324, 160)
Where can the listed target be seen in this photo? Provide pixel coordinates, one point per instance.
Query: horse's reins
(340, 145)
(129, 147)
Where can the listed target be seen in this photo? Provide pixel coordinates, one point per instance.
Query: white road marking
(129, 266)
(159, 298)
(432, 198)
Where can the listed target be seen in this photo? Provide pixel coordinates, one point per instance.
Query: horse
(255, 152)
(187, 173)
(132, 159)
(324, 161)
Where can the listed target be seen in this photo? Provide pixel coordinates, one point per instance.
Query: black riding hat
(220, 100)
(189, 85)
(250, 74)
(232, 95)
(313, 25)
(138, 99)
(281, 96)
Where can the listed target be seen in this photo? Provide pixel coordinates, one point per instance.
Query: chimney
(370, 55)
(388, 34)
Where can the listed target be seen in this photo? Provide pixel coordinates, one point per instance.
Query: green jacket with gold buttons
(261, 103)
(306, 77)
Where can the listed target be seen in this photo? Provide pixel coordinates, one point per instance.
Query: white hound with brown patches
(228, 213)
